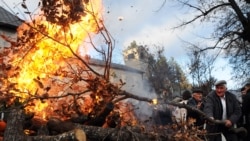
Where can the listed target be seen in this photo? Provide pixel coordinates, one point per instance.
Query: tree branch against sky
(231, 34)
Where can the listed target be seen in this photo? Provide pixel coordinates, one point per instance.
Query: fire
(48, 46)
(155, 101)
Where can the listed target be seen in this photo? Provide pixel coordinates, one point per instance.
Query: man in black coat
(196, 101)
(222, 105)
(246, 108)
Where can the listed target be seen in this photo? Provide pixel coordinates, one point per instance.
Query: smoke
(144, 111)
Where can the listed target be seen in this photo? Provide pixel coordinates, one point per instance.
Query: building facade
(8, 26)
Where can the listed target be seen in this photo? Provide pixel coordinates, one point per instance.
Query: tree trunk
(14, 128)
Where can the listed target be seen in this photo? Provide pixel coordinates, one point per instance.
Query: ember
(155, 102)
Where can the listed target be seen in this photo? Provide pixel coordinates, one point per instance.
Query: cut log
(74, 135)
(57, 126)
(124, 134)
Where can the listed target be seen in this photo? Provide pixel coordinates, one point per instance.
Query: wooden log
(16, 118)
(74, 135)
(57, 126)
(123, 134)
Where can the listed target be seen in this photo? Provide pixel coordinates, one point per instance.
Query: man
(246, 108)
(242, 120)
(222, 105)
(196, 101)
(180, 114)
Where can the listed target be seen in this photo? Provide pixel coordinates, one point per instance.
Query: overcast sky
(145, 21)
(148, 22)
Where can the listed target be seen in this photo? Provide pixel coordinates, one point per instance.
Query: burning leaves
(64, 12)
(38, 71)
(47, 74)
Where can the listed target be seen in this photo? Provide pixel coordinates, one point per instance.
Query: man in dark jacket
(222, 105)
(196, 101)
(246, 108)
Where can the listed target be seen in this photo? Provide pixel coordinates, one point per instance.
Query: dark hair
(242, 89)
(247, 85)
(186, 95)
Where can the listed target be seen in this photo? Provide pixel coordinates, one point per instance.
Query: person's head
(247, 87)
(243, 90)
(197, 94)
(221, 87)
(186, 95)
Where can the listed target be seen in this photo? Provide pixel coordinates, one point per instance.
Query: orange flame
(51, 46)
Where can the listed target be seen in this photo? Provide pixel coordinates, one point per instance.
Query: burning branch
(126, 95)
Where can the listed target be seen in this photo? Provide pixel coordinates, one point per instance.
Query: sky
(148, 22)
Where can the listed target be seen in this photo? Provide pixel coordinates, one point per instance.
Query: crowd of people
(219, 105)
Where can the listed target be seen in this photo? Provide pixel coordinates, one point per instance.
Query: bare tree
(201, 66)
(231, 29)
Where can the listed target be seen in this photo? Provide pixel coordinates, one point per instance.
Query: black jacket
(246, 106)
(213, 108)
(246, 103)
(192, 114)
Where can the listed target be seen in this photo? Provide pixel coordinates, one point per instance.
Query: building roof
(98, 62)
(9, 20)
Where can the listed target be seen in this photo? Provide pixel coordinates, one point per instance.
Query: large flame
(48, 50)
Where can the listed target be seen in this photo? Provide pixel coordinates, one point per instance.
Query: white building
(8, 26)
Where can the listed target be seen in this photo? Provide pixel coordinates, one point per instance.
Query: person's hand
(210, 122)
(228, 123)
(199, 105)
